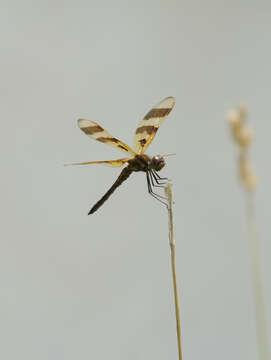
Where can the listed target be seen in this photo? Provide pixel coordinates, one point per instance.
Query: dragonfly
(137, 160)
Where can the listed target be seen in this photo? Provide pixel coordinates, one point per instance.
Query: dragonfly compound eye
(158, 162)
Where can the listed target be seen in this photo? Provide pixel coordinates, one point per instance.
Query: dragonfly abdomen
(126, 172)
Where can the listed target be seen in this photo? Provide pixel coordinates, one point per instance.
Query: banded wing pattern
(95, 131)
(148, 127)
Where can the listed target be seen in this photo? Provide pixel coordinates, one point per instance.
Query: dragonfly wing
(117, 162)
(95, 131)
(148, 127)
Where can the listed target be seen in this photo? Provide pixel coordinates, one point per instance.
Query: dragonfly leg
(157, 180)
(159, 177)
(156, 196)
(155, 185)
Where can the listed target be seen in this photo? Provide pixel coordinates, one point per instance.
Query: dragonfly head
(157, 163)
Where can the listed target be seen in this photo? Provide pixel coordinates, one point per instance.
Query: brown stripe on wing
(92, 129)
(95, 131)
(148, 129)
(108, 139)
(121, 147)
(153, 113)
(149, 125)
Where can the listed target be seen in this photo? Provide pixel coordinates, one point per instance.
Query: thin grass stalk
(243, 136)
(168, 192)
(256, 278)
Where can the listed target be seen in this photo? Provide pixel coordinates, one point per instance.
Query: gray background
(81, 287)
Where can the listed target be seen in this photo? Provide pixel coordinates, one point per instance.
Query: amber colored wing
(117, 162)
(148, 127)
(95, 131)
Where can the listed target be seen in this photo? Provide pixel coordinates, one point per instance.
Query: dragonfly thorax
(143, 162)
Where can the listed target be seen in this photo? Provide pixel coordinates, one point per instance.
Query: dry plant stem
(243, 136)
(177, 306)
(168, 191)
(256, 273)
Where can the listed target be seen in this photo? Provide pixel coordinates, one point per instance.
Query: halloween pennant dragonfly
(137, 160)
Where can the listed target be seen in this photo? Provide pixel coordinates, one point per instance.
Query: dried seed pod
(247, 174)
(234, 118)
(244, 136)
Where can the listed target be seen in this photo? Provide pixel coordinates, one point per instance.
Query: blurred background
(97, 287)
